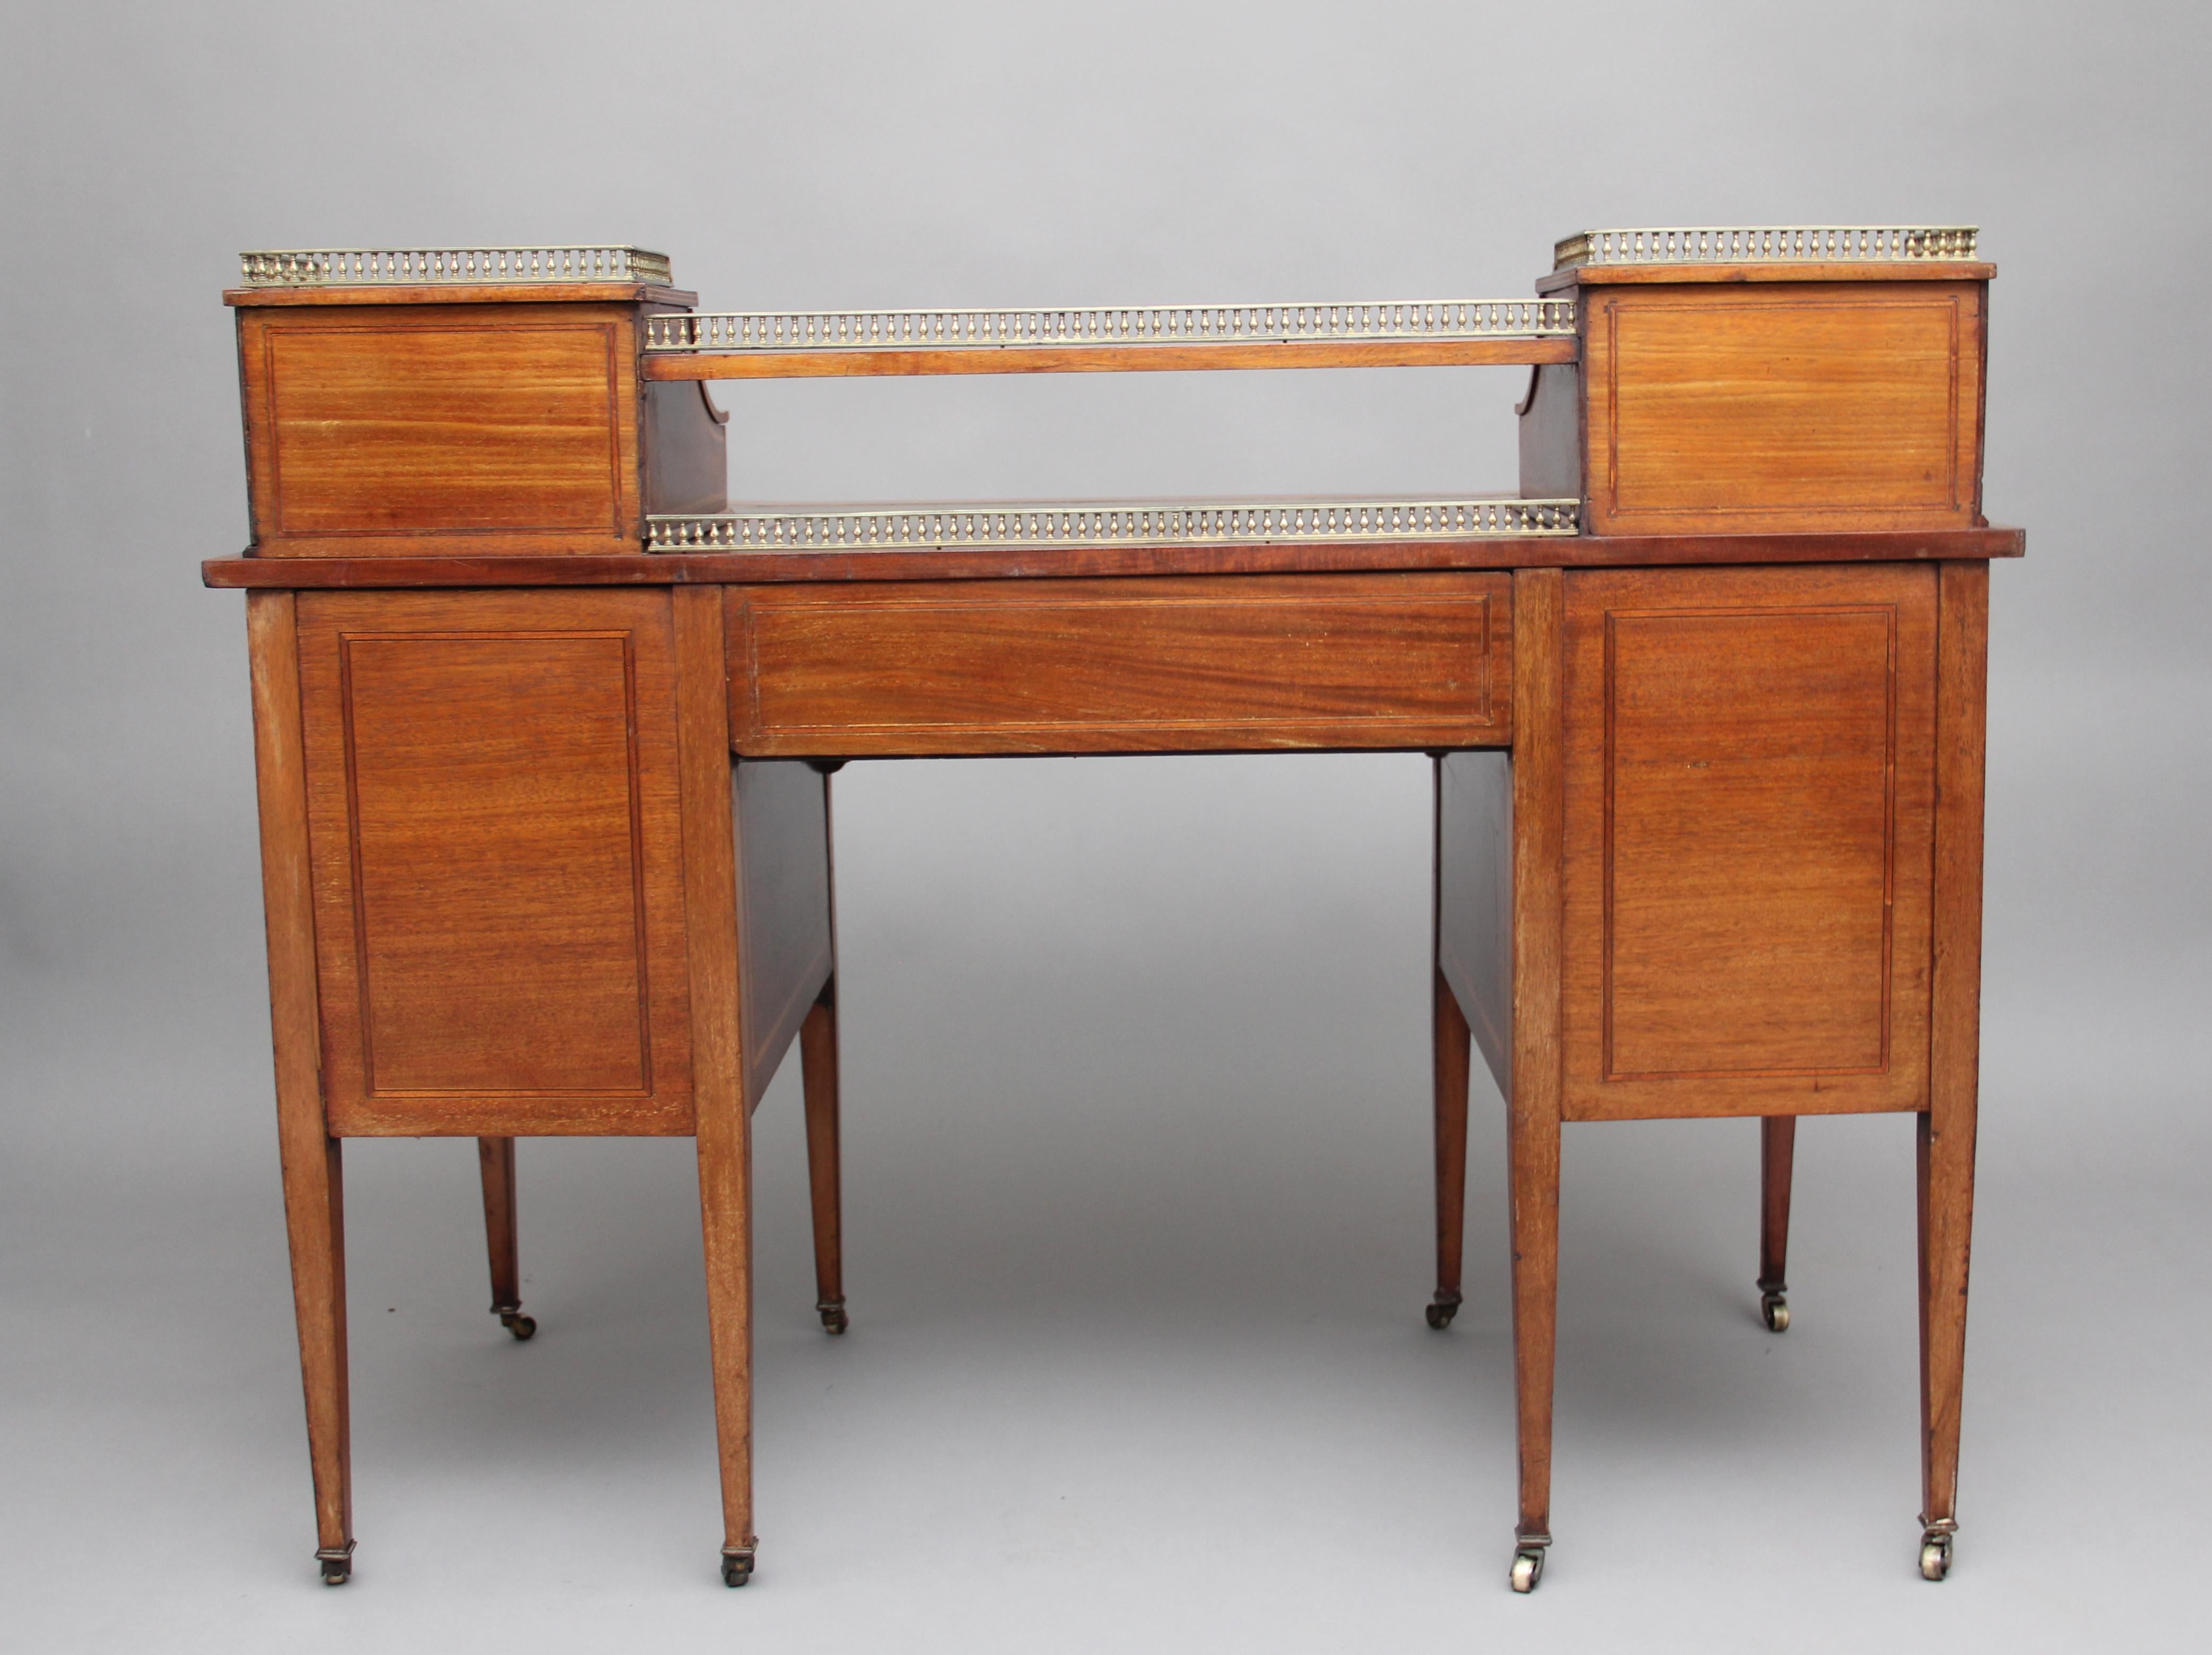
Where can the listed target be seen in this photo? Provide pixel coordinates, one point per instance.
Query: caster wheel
(737, 1567)
(1935, 1556)
(1527, 1568)
(338, 1565)
(1774, 1310)
(833, 1317)
(1441, 1311)
(517, 1324)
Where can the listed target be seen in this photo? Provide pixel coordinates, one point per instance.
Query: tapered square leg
(725, 1222)
(313, 1166)
(1535, 1149)
(1777, 1147)
(314, 1215)
(1454, 1056)
(720, 1092)
(1533, 1111)
(1946, 1166)
(1947, 1129)
(818, 1058)
(495, 1164)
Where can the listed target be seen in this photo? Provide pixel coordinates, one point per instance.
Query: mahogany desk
(545, 729)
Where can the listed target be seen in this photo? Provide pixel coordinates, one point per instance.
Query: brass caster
(737, 1565)
(1774, 1310)
(338, 1564)
(833, 1315)
(1934, 1554)
(1442, 1309)
(1527, 1568)
(512, 1318)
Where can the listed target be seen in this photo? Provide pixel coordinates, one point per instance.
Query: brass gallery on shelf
(545, 724)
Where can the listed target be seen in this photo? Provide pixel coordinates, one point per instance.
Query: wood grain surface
(310, 1157)
(1451, 1052)
(1849, 405)
(1778, 1159)
(409, 431)
(724, 1111)
(1533, 1105)
(515, 882)
(1749, 805)
(369, 295)
(818, 1059)
(970, 562)
(1411, 660)
(498, 862)
(1104, 359)
(1762, 274)
(502, 1249)
(1948, 1129)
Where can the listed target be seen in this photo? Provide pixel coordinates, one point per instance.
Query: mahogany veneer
(1760, 404)
(514, 425)
(546, 823)
(1126, 666)
(1749, 803)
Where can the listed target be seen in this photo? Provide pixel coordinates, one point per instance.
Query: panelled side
(782, 815)
(498, 862)
(1550, 429)
(1803, 405)
(1749, 821)
(1474, 900)
(687, 464)
(477, 429)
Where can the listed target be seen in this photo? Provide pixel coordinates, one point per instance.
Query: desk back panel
(497, 862)
(1750, 804)
(1168, 665)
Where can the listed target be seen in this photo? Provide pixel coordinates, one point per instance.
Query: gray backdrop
(1135, 1050)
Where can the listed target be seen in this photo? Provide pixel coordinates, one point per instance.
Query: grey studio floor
(1137, 1206)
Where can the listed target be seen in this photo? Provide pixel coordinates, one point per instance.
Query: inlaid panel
(1748, 817)
(1108, 666)
(404, 429)
(497, 861)
(1814, 405)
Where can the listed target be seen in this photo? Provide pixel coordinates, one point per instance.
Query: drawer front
(1219, 664)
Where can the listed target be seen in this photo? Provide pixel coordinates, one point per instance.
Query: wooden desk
(544, 729)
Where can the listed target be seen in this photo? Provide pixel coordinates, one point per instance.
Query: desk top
(995, 562)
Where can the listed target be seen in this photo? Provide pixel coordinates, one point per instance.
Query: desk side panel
(687, 464)
(456, 429)
(1474, 900)
(782, 814)
(1749, 835)
(1845, 406)
(498, 862)
(1400, 661)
